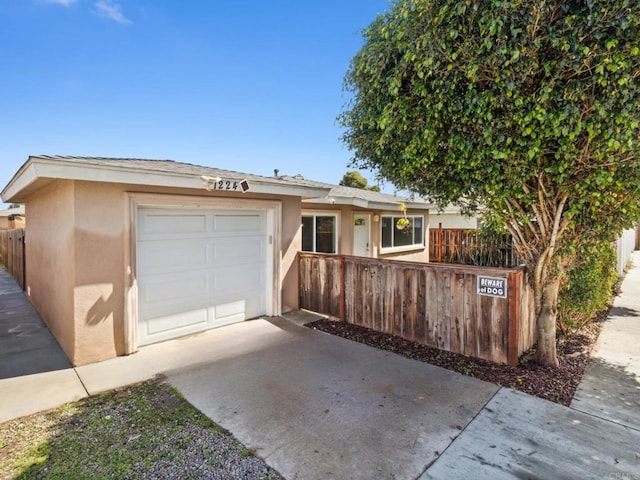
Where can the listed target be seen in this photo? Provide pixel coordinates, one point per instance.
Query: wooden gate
(12, 253)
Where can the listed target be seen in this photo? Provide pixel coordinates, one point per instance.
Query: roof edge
(44, 167)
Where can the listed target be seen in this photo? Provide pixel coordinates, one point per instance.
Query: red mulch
(554, 384)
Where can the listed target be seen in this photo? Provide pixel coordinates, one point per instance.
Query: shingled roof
(343, 195)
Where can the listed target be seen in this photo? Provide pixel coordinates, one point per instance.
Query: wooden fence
(12, 253)
(470, 247)
(436, 305)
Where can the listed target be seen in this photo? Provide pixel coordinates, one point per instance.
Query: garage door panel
(178, 321)
(237, 223)
(211, 274)
(184, 223)
(230, 280)
(241, 309)
(167, 288)
(174, 255)
(237, 251)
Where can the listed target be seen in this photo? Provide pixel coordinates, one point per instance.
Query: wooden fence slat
(484, 327)
(457, 312)
(419, 328)
(500, 331)
(513, 329)
(443, 327)
(12, 254)
(431, 337)
(471, 301)
(434, 304)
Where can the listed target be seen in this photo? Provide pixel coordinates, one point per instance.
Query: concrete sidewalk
(35, 374)
(610, 386)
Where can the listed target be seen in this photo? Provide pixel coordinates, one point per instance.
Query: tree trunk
(546, 321)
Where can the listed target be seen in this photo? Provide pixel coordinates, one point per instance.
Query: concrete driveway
(316, 406)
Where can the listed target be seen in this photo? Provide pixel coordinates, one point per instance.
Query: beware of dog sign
(492, 287)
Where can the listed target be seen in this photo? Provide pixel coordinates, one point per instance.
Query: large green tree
(356, 180)
(528, 108)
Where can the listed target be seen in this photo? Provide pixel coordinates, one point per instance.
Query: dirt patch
(555, 384)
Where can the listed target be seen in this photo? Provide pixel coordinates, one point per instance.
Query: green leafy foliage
(356, 180)
(528, 109)
(588, 286)
(474, 99)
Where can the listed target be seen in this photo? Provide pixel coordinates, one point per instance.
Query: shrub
(587, 287)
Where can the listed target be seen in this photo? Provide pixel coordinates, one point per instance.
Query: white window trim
(324, 213)
(404, 248)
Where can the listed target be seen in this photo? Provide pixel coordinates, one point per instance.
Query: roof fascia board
(333, 200)
(21, 180)
(359, 202)
(38, 167)
(396, 206)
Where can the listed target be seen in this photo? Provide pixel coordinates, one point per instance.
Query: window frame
(402, 248)
(336, 233)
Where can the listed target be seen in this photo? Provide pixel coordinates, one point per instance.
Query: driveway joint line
(461, 432)
(81, 382)
(591, 414)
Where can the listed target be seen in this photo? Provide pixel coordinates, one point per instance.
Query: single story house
(126, 252)
(11, 218)
(364, 223)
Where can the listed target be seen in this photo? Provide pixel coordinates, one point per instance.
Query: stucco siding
(99, 271)
(49, 247)
(291, 243)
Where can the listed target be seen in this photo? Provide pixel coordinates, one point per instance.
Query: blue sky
(241, 85)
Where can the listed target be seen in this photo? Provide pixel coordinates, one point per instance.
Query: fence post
(342, 290)
(513, 335)
(24, 259)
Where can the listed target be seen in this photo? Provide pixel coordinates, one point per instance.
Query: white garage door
(199, 269)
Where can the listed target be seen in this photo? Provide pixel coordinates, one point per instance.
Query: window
(319, 233)
(399, 236)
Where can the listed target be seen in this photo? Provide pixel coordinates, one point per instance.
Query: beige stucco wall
(291, 244)
(453, 220)
(346, 215)
(99, 271)
(76, 251)
(50, 262)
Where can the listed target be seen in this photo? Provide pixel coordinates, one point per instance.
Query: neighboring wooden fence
(12, 253)
(470, 247)
(436, 305)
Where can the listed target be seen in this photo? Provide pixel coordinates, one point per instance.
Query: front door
(362, 235)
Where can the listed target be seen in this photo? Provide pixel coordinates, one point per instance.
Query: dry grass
(142, 431)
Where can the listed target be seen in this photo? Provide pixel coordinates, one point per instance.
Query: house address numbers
(492, 287)
(217, 183)
(231, 185)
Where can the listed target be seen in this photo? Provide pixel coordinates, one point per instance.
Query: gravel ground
(555, 384)
(145, 431)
